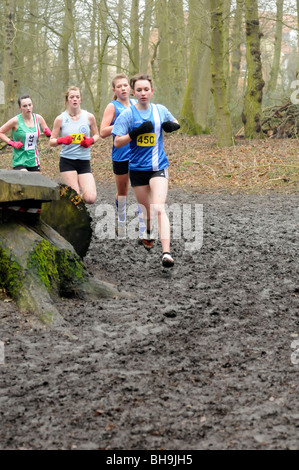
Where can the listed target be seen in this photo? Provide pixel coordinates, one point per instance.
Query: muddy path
(202, 356)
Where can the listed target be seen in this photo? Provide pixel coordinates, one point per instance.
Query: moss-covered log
(35, 270)
(38, 264)
(69, 216)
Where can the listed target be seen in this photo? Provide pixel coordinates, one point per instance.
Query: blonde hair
(118, 77)
(68, 91)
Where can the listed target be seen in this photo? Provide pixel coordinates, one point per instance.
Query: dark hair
(140, 76)
(23, 97)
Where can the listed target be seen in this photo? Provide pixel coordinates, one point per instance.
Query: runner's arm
(93, 127)
(8, 126)
(56, 131)
(108, 116)
(44, 126)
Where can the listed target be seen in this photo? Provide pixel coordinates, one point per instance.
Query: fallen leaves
(198, 164)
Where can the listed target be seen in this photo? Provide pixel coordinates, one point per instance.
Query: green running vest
(28, 154)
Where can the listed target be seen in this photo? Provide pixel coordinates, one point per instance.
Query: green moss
(10, 274)
(70, 267)
(56, 268)
(43, 259)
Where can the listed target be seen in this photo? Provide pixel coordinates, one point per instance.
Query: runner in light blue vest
(120, 156)
(141, 126)
(78, 129)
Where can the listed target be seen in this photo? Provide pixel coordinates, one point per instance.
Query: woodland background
(216, 64)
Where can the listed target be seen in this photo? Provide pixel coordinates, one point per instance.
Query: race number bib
(31, 140)
(77, 138)
(146, 140)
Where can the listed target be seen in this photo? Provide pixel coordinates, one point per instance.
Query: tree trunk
(119, 47)
(134, 32)
(9, 76)
(37, 265)
(224, 130)
(103, 89)
(252, 111)
(163, 75)
(66, 34)
(102, 41)
(277, 48)
(147, 24)
(237, 39)
(197, 91)
(178, 54)
(226, 40)
(297, 68)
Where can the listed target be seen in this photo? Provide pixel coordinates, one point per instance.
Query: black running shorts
(142, 178)
(28, 168)
(80, 166)
(120, 168)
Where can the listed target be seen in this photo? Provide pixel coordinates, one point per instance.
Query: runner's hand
(47, 132)
(67, 140)
(87, 142)
(145, 127)
(170, 126)
(16, 145)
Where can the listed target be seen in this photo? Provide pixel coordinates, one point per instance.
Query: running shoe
(147, 240)
(167, 260)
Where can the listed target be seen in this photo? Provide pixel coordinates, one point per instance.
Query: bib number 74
(77, 138)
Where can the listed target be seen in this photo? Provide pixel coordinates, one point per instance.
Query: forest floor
(201, 356)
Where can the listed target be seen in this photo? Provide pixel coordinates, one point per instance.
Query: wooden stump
(69, 217)
(37, 264)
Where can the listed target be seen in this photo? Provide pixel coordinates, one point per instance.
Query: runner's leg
(88, 187)
(143, 196)
(159, 189)
(70, 178)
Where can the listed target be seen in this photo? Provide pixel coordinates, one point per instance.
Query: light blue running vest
(147, 153)
(75, 151)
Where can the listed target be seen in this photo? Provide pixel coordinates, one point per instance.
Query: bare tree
(197, 94)
(224, 130)
(277, 48)
(252, 110)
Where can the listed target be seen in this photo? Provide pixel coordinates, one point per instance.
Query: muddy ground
(199, 357)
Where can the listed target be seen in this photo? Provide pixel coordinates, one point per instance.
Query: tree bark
(178, 53)
(134, 33)
(119, 47)
(224, 130)
(66, 34)
(145, 42)
(297, 68)
(237, 39)
(197, 91)
(9, 75)
(163, 77)
(277, 48)
(252, 111)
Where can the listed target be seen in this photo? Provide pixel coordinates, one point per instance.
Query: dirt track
(200, 357)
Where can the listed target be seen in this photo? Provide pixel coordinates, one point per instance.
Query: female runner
(141, 125)
(26, 128)
(78, 129)
(120, 156)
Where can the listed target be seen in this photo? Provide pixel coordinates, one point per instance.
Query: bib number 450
(146, 140)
